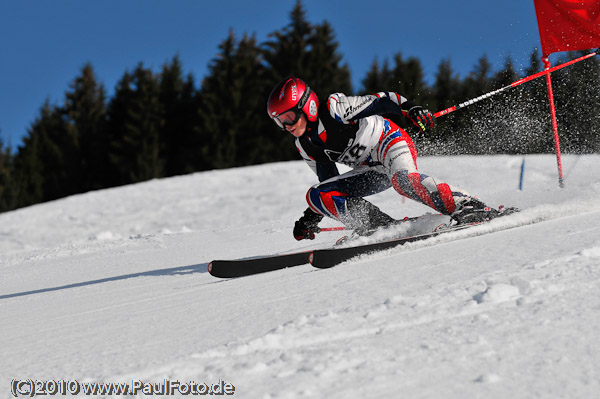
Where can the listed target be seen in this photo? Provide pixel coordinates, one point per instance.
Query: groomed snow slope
(111, 286)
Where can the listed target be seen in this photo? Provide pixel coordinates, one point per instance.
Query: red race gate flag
(568, 25)
(565, 25)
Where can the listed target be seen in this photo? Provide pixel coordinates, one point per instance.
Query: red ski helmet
(289, 99)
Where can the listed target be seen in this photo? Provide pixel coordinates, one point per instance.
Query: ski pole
(332, 228)
(514, 84)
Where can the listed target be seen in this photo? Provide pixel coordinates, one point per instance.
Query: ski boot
(473, 211)
(365, 219)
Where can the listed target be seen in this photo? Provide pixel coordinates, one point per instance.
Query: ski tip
(310, 258)
(209, 268)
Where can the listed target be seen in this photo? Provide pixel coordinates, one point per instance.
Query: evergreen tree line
(160, 124)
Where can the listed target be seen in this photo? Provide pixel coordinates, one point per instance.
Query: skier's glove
(306, 227)
(421, 117)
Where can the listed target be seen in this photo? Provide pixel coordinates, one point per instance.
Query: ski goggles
(288, 118)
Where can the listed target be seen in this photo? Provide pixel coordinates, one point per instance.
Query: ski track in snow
(112, 286)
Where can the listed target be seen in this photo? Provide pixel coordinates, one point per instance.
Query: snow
(111, 286)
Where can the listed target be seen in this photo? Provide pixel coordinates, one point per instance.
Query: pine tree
(506, 76)
(7, 188)
(28, 172)
(535, 134)
(378, 78)
(309, 52)
(535, 63)
(325, 62)
(85, 107)
(134, 125)
(470, 125)
(479, 81)
(286, 54)
(576, 91)
(447, 86)
(232, 107)
(409, 80)
(177, 97)
(446, 92)
(508, 122)
(44, 164)
(306, 51)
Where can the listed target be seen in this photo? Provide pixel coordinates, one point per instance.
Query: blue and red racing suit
(351, 131)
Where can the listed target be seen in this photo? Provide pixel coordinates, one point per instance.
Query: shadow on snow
(181, 270)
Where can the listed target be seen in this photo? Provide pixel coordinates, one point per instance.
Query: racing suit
(351, 131)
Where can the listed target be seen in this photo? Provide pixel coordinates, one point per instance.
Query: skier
(350, 130)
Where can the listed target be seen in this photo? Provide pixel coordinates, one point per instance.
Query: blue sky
(44, 44)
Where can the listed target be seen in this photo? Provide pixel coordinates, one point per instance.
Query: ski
(323, 258)
(326, 258)
(320, 258)
(262, 264)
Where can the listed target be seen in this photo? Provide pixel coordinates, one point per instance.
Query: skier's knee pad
(427, 190)
(328, 202)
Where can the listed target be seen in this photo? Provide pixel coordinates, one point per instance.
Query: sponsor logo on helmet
(294, 93)
(312, 108)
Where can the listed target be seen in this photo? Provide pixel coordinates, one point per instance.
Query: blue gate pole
(522, 174)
